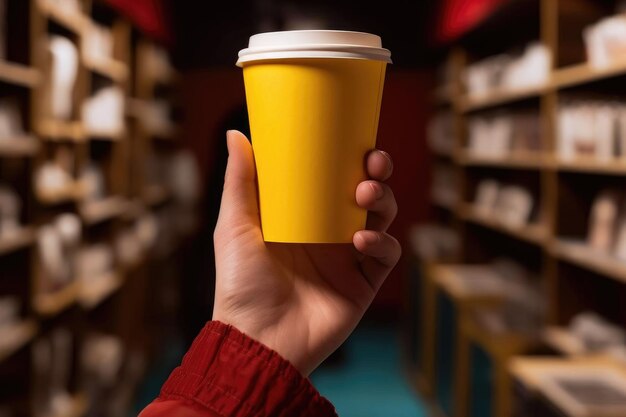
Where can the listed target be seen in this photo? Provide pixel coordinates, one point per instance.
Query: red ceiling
(148, 15)
(456, 17)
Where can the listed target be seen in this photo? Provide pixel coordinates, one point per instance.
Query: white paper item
(603, 221)
(103, 113)
(605, 124)
(514, 206)
(487, 196)
(64, 69)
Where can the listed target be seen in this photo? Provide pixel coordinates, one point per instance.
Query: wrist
(270, 337)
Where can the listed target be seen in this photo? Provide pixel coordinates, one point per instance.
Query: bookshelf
(554, 240)
(116, 303)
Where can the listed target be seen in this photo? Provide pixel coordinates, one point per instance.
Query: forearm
(227, 374)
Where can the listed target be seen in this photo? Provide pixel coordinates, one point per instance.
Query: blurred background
(507, 123)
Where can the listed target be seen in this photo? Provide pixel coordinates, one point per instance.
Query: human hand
(301, 300)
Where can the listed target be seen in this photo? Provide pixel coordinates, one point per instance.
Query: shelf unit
(562, 189)
(117, 303)
(532, 233)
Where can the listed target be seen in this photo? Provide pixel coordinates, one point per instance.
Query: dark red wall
(405, 107)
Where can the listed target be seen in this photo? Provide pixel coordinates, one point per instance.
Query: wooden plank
(18, 74)
(50, 304)
(99, 289)
(111, 68)
(61, 130)
(520, 161)
(20, 239)
(78, 407)
(584, 73)
(580, 254)
(98, 211)
(18, 146)
(450, 279)
(561, 340)
(592, 166)
(499, 98)
(72, 192)
(499, 346)
(531, 370)
(74, 21)
(14, 337)
(532, 233)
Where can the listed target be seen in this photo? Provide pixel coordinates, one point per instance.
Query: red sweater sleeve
(227, 374)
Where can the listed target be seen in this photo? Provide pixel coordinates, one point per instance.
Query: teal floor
(370, 381)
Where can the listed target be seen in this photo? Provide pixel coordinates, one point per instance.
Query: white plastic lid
(314, 44)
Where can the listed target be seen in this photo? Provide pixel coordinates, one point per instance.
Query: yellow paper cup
(313, 101)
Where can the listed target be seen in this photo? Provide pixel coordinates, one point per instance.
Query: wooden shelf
(532, 233)
(580, 254)
(107, 67)
(591, 166)
(50, 304)
(99, 289)
(531, 370)
(98, 211)
(109, 136)
(73, 21)
(156, 195)
(78, 407)
(18, 146)
(20, 239)
(72, 192)
(561, 340)
(500, 346)
(61, 130)
(584, 73)
(15, 337)
(450, 279)
(522, 161)
(498, 98)
(18, 74)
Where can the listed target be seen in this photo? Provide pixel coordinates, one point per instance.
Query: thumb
(239, 200)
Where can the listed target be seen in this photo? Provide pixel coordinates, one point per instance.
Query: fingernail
(386, 155)
(378, 190)
(370, 238)
(228, 135)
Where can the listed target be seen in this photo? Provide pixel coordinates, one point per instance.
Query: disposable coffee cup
(313, 101)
